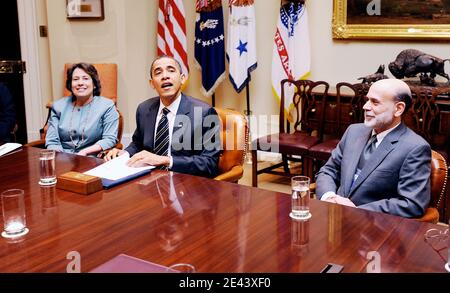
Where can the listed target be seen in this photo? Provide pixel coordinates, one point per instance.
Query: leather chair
(438, 179)
(234, 139)
(309, 102)
(108, 78)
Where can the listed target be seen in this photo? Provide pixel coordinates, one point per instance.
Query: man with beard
(381, 164)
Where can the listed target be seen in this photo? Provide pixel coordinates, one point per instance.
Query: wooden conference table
(168, 218)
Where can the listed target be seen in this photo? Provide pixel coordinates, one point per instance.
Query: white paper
(116, 168)
(7, 147)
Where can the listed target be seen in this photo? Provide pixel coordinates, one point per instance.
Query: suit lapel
(184, 107)
(357, 149)
(179, 124)
(151, 121)
(386, 146)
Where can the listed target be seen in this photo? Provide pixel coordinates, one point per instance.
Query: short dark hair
(404, 97)
(89, 69)
(164, 56)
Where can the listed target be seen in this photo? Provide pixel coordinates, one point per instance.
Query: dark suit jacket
(395, 179)
(192, 155)
(7, 113)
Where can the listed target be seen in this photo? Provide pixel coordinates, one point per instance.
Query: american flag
(172, 32)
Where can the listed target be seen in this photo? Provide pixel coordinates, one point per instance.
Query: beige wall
(128, 33)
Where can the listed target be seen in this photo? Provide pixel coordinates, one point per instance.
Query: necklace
(82, 124)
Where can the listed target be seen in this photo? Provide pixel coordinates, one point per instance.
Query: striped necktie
(162, 135)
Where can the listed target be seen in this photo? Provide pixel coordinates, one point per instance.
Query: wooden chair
(108, 78)
(339, 113)
(309, 103)
(439, 172)
(234, 139)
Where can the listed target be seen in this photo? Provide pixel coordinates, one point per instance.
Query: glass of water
(47, 167)
(13, 209)
(181, 268)
(300, 198)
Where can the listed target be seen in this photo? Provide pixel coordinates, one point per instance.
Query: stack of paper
(116, 171)
(8, 147)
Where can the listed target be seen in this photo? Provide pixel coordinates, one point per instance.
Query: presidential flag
(291, 51)
(172, 32)
(209, 44)
(241, 42)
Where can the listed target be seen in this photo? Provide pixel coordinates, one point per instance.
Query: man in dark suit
(174, 130)
(7, 114)
(380, 165)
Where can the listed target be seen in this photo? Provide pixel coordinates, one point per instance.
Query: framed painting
(85, 10)
(391, 19)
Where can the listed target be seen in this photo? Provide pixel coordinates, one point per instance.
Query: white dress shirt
(173, 108)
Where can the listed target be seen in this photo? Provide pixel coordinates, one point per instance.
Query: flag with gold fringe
(291, 51)
(209, 44)
(241, 42)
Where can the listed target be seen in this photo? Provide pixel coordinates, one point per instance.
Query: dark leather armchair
(234, 138)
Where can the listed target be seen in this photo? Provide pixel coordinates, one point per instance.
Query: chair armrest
(37, 143)
(232, 175)
(431, 216)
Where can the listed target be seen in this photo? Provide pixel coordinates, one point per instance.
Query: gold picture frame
(85, 10)
(342, 28)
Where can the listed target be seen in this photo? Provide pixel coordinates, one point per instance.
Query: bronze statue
(371, 78)
(411, 62)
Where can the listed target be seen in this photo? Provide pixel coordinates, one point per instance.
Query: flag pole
(248, 113)
(247, 92)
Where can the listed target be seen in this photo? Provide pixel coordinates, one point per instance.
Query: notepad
(116, 171)
(8, 147)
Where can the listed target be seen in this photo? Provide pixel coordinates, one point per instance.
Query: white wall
(127, 37)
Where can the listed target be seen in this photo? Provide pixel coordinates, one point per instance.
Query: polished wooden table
(168, 218)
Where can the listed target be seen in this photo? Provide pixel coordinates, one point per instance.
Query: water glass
(181, 268)
(47, 167)
(300, 198)
(14, 218)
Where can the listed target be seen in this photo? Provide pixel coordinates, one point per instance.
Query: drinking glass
(300, 198)
(14, 218)
(181, 268)
(47, 167)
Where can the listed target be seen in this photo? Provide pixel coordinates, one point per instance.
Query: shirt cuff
(327, 195)
(171, 162)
